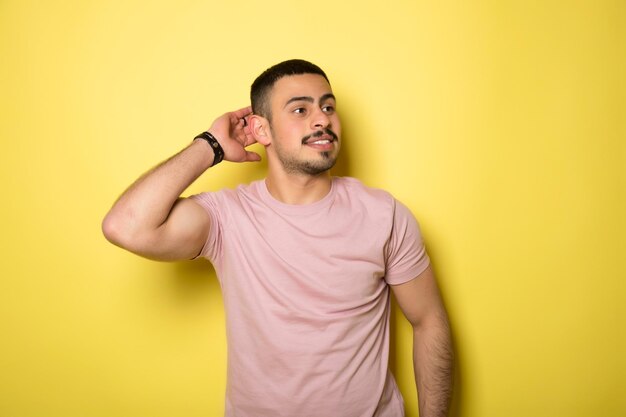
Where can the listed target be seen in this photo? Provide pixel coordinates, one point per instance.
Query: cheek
(287, 134)
(292, 130)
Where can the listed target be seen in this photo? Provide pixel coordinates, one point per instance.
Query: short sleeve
(213, 246)
(405, 253)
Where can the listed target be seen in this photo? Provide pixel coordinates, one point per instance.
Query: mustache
(320, 133)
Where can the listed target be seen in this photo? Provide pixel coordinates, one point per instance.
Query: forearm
(146, 204)
(434, 366)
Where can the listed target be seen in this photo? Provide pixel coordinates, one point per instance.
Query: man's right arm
(151, 220)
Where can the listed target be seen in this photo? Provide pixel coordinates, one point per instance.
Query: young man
(305, 261)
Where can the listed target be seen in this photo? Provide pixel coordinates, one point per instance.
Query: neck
(298, 189)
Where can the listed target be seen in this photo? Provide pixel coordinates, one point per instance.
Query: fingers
(252, 156)
(243, 112)
(241, 132)
(235, 134)
(237, 119)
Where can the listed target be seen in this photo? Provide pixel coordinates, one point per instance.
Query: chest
(332, 258)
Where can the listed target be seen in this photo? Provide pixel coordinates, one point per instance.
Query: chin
(319, 168)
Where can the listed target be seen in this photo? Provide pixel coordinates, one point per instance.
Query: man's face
(305, 126)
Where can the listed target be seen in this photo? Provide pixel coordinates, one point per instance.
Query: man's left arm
(433, 357)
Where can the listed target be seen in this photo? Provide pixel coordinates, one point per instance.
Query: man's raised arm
(151, 220)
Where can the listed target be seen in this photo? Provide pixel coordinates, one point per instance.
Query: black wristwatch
(215, 145)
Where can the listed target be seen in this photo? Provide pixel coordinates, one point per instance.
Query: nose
(320, 120)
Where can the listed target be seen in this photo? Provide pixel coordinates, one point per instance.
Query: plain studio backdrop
(500, 124)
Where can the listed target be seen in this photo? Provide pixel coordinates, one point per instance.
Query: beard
(293, 164)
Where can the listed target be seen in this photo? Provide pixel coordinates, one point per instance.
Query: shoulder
(358, 189)
(378, 202)
(243, 191)
(378, 207)
(355, 191)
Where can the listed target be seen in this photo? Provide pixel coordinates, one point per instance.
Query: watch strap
(218, 152)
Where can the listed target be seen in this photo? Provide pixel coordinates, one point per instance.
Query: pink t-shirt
(306, 294)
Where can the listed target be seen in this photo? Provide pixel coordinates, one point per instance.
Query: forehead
(301, 85)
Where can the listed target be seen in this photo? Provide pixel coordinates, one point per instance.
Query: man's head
(295, 118)
(261, 89)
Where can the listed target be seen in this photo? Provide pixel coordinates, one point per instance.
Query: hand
(233, 133)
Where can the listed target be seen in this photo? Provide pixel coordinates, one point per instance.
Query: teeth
(321, 142)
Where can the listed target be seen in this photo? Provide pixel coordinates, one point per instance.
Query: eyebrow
(309, 99)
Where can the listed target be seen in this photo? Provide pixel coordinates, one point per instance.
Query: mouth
(320, 139)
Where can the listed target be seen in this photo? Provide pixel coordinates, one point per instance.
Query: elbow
(119, 230)
(112, 230)
(122, 231)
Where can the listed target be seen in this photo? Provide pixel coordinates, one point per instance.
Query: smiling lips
(320, 141)
(320, 138)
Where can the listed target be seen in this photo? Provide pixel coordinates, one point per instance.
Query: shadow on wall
(192, 280)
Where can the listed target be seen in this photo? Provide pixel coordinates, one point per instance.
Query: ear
(260, 128)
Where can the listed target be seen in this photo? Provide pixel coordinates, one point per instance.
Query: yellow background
(501, 124)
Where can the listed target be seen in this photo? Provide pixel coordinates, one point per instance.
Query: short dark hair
(262, 86)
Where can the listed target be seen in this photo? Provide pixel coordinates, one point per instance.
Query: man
(305, 261)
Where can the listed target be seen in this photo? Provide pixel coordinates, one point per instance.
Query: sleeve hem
(402, 278)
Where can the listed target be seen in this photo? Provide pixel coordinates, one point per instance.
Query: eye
(328, 109)
(299, 110)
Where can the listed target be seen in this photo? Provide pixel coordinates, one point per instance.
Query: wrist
(218, 152)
